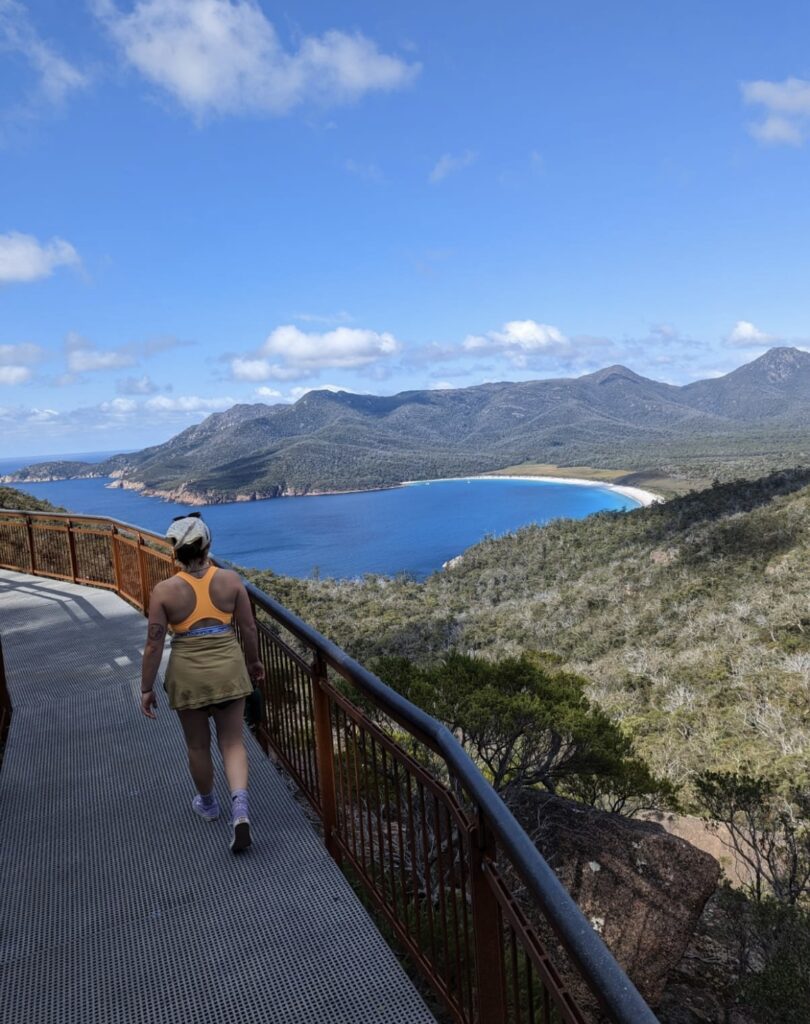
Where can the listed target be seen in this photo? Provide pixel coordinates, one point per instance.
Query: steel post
(487, 930)
(30, 530)
(325, 754)
(74, 569)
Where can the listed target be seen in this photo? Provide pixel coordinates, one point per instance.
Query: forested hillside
(690, 620)
(752, 420)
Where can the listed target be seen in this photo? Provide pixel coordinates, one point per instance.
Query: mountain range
(338, 441)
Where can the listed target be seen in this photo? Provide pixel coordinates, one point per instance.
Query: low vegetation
(19, 501)
(689, 620)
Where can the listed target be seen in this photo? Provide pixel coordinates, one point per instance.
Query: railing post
(325, 755)
(116, 558)
(488, 934)
(256, 714)
(142, 574)
(74, 571)
(30, 530)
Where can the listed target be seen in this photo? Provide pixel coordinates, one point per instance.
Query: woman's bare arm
(243, 614)
(152, 652)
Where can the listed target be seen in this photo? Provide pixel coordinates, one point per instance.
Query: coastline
(638, 494)
(642, 497)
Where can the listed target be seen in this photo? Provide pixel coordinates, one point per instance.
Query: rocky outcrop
(702, 988)
(185, 494)
(188, 496)
(642, 889)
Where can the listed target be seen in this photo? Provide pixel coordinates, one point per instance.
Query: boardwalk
(118, 905)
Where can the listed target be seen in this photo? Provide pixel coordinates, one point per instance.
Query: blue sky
(205, 202)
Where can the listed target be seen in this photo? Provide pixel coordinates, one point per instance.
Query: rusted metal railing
(405, 811)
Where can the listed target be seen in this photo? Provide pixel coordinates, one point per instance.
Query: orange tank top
(204, 607)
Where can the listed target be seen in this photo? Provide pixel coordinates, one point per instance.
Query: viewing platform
(120, 906)
(118, 903)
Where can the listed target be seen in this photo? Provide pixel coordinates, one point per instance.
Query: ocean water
(412, 529)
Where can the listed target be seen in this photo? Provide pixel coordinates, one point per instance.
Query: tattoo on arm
(156, 631)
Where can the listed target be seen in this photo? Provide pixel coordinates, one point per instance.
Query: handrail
(497, 827)
(611, 985)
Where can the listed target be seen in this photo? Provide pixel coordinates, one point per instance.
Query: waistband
(205, 631)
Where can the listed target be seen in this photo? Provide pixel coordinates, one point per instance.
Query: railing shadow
(6, 709)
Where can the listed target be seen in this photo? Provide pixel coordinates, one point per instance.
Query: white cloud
(188, 403)
(84, 357)
(443, 385)
(530, 336)
(251, 369)
(136, 386)
(225, 57)
(84, 360)
(447, 164)
(787, 106)
(343, 347)
(775, 130)
(14, 374)
(288, 353)
(24, 259)
(261, 369)
(25, 354)
(113, 421)
(42, 415)
(119, 406)
(56, 77)
(264, 392)
(745, 335)
(520, 339)
(789, 97)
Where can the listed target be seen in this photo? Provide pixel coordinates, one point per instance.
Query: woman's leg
(229, 737)
(231, 743)
(198, 740)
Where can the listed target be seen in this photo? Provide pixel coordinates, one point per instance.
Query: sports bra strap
(204, 607)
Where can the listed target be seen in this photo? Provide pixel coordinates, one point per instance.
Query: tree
(769, 831)
(527, 723)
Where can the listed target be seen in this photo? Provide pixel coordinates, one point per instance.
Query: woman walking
(206, 676)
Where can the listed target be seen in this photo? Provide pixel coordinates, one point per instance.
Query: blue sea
(412, 529)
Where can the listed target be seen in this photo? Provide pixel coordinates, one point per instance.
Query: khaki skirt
(206, 670)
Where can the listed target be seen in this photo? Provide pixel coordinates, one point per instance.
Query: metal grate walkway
(117, 904)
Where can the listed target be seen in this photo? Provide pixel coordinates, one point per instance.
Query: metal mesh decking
(117, 904)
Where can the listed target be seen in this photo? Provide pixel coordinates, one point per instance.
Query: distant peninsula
(612, 420)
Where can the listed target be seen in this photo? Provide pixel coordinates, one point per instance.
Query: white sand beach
(643, 497)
